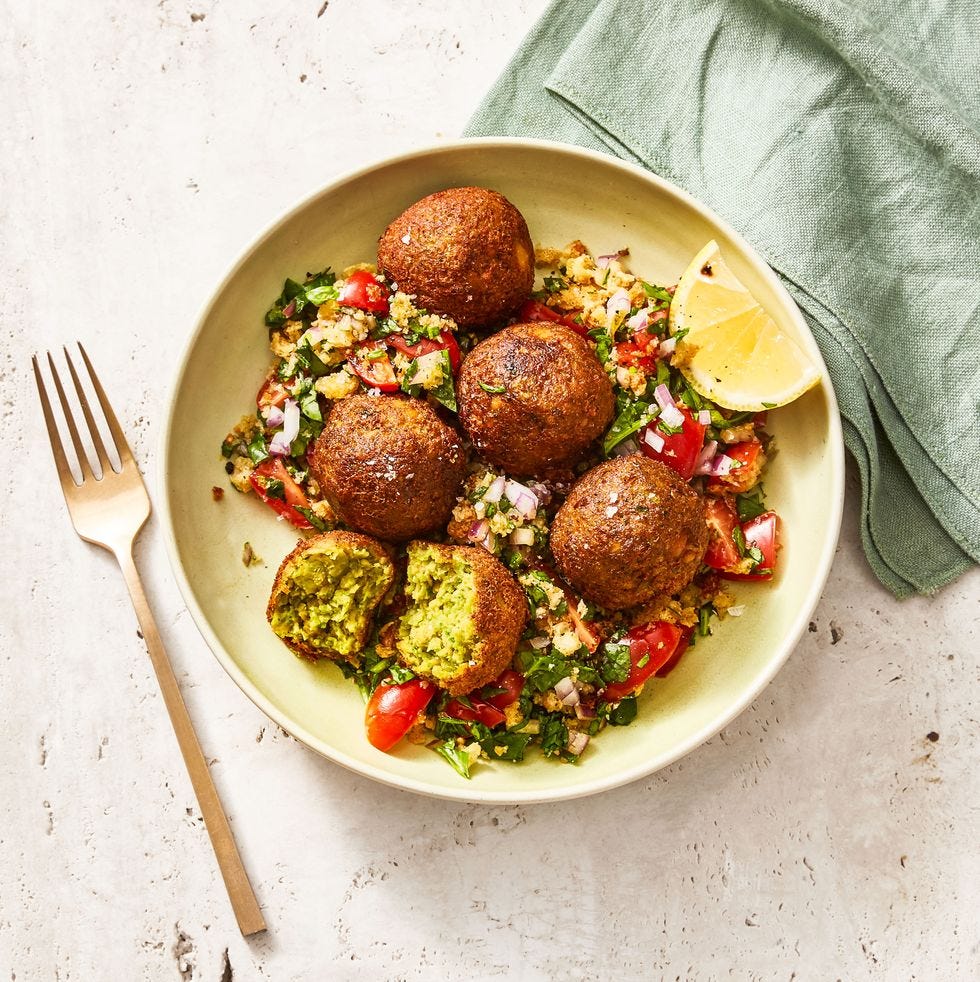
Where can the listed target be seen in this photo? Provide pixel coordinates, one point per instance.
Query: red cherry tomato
(682, 646)
(272, 469)
(651, 647)
(393, 710)
(680, 450)
(272, 393)
(477, 711)
(743, 476)
(425, 346)
(722, 521)
(534, 310)
(363, 291)
(762, 533)
(369, 361)
(512, 683)
(640, 352)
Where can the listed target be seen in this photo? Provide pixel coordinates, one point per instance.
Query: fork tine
(100, 450)
(60, 460)
(83, 463)
(119, 438)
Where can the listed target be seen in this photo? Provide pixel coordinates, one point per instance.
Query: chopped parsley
(497, 389)
(299, 297)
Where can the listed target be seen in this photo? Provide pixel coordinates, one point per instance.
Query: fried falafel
(464, 616)
(533, 397)
(388, 465)
(326, 592)
(464, 253)
(630, 529)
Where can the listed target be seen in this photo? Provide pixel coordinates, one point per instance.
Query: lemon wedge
(728, 347)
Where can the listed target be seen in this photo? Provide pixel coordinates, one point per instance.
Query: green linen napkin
(844, 142)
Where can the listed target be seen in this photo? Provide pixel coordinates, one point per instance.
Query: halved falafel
(630, 529)
(463, 619)
(464, 253)
(533, 397)
(388, 465)
(326, 592)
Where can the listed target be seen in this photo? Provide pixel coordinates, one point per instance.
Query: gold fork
(109, 512)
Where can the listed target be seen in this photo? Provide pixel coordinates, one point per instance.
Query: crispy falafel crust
(499, 616)
(464, 253)
(556, 399)
(388, 465)
(353, 540)
(630, 529)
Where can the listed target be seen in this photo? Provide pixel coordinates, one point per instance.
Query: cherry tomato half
(534, 310)
(425, 346)
(512, 683)
(272, 469)
(651, 647)
(363, 291)
(722, 521)
(762, 533)
(477, 711)
(743, 476)
(393, 710)
(369, 361)
(680, 450)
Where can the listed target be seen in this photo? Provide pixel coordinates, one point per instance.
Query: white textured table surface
(830, 832)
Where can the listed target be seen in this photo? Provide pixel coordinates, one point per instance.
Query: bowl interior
(564, 194)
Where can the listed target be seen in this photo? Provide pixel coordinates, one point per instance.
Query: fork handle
(243, 902)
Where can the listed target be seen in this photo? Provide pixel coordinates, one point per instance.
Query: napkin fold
(843, 141)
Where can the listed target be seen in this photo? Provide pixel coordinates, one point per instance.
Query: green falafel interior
(326, 596)
(436, 634)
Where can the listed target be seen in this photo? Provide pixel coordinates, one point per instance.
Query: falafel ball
(388, 465)
(464, 253)
(533, 397)
(630, 529)
(464, 616)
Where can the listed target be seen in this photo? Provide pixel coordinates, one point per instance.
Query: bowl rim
(467, 792)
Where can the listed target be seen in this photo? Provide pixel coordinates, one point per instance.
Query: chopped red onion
(662, 394)
(657, 316)
(603, 261)
(315, 334)
(478, 531)
(282, 441)
(720, 465)
(639, 321)
(672, 416)
(522, 498)
(541, 492)
(618, 303)
(489, 542)
(522, 537)
(496, 489)
(289, 309)
(577, 742)
(703, 463)
(564, 686)
(572, 699)
(273, 416)
(704, 417)
(667, 347)
(653, 439)
(539, 643)
(736, 611)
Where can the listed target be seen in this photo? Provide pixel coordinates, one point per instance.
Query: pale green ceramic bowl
(564, 193)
